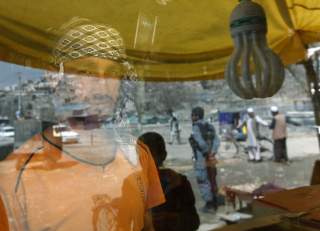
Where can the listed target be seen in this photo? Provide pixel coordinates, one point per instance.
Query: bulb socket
(248, 17)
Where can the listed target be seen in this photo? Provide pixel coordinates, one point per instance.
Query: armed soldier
(205, 144)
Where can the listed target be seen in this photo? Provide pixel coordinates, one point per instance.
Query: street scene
(159, 115)
(237, 172)
(234, 168)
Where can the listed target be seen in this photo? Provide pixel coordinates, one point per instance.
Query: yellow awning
(180, 40)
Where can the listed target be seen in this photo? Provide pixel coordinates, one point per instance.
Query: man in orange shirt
(103, 182)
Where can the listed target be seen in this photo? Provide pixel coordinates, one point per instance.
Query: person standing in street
(253, 123)
(205, 143)
(174, 128)
(279, 135)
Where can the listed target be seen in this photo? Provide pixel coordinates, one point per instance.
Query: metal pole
(313, 81)
(19, 93)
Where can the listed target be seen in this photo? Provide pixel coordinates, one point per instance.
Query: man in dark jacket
(279, 134)
(205, 143)
(178, 212)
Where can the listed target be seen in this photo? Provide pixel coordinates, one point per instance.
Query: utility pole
(146, 29)
(19, 94)
(314, 89)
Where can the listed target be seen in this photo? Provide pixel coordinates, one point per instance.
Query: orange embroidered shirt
(52, 191)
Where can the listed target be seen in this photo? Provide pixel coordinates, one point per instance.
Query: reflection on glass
(78, 174)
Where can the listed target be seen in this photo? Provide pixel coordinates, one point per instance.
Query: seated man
(179, 212)
(104, 182)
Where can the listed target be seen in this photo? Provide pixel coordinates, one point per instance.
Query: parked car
(163, 119)
(7, 131)
(149, 119)
(66, 133)
(133, 120)
(305, 118)
(4, 120)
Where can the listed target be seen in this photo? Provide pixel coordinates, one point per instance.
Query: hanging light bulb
(254, 70)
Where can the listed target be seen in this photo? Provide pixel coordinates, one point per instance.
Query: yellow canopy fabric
(180, 40)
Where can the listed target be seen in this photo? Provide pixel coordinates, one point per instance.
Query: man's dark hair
(156, 145)
(198, 111)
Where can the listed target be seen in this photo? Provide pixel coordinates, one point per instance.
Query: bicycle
(233, 144)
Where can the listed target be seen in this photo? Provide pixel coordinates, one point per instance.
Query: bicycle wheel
(242, 150)
(266, 148)
(228, 149)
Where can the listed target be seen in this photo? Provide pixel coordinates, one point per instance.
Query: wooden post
(312, 80)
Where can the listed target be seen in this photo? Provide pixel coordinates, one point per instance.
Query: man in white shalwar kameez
(253, 122)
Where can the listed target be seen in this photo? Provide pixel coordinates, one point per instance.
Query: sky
(9, 76)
